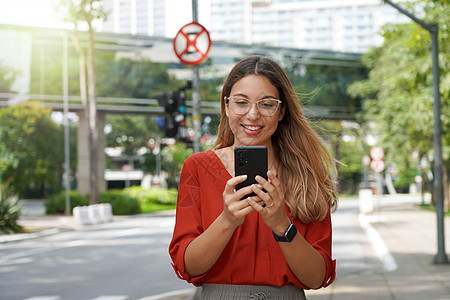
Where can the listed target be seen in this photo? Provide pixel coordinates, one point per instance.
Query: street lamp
(441, 256)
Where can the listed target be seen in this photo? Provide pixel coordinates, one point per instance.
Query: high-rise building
(146, 17)
(338, 25)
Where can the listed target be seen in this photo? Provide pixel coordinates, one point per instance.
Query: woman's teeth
(252, 127)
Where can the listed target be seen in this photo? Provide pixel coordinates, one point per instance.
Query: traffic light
(168, 101)
(174, 103)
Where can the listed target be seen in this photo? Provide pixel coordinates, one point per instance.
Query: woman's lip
(252, 129)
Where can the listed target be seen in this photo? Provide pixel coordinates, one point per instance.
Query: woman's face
(252, 128)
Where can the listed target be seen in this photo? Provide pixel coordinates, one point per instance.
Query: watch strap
(289, 234)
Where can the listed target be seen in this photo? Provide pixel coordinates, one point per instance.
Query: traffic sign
(192, 43)
(377, 165)
(377, 153)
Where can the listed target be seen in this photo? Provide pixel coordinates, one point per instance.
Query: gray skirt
(251, 292)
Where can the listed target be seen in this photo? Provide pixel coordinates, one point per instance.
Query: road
(127, 259)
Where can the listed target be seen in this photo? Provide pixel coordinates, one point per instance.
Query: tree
(7, 78)
(398, 93)
(31, 152)
(87, 11)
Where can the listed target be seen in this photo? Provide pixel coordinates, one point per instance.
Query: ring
(270, 205)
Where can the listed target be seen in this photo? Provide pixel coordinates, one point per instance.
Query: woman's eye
(241, 102)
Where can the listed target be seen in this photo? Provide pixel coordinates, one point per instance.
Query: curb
(33, 235)
(378, 244)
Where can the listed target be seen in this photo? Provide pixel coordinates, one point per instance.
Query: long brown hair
(305, 164)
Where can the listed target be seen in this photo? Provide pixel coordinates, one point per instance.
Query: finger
(229, 187)
(265, 184)
(257, 189)
(274, 179)
(256, 206)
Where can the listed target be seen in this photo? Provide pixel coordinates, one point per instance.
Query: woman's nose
(253, 112)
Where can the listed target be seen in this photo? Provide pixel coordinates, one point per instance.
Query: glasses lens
(240, 106)
(266, 107)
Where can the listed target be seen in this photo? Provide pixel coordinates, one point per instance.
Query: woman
(279, 241)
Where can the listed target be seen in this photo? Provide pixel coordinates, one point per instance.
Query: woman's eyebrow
(240, 95)
(245, 96)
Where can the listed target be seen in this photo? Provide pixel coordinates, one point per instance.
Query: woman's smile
(252, 129)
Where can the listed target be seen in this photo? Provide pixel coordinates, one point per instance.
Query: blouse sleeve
(188, 223)
(319, 236)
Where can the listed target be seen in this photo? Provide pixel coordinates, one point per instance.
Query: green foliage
(154, 195)
(131, 132)
(398, 91)
(129, 201)
(122, 203)
(350, 169)
(35, 141)
(9, 213)
(173, 159)
(326, 85)
(56, 204)
(7, 78)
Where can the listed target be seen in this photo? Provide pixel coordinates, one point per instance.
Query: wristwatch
(288, 236)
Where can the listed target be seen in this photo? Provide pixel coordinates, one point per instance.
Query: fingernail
(243, 176)
(269, 173)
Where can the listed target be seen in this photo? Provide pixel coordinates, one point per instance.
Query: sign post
(191, 45)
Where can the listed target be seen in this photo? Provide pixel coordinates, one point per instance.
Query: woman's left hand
(272, 209)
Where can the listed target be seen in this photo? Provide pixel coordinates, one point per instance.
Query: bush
(122, 203)
(9, 214)
(155, 195)
(57, 203)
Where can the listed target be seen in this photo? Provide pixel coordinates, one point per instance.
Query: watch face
(290, 233)
(288, 236)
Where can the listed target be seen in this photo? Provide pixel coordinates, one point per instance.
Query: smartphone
(250, 161)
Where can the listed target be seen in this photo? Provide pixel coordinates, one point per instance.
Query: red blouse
(252, 256)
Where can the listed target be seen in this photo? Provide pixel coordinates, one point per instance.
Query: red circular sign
(192, 43)
(377, 165)
(377, 153)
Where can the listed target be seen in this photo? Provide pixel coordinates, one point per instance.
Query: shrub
(121, 202)
(9, 213)
(57, 202)
(154, 195)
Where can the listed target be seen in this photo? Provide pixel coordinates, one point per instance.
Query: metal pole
(441, 256)
(196, 100)
(66, 124)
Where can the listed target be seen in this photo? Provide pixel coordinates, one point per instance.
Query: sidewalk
(409, 234)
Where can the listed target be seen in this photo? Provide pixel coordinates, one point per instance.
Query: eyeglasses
(240, 106)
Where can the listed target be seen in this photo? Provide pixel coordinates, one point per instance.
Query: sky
(42, 13)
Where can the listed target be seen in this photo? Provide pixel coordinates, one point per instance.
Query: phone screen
(250, 161)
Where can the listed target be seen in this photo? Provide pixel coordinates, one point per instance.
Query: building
(338, 25)
(146, 17)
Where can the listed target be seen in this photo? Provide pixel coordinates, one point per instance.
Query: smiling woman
(277, 240)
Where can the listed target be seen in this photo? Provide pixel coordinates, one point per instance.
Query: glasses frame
(227, 101)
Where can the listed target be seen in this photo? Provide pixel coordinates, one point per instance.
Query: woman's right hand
(234, 209)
